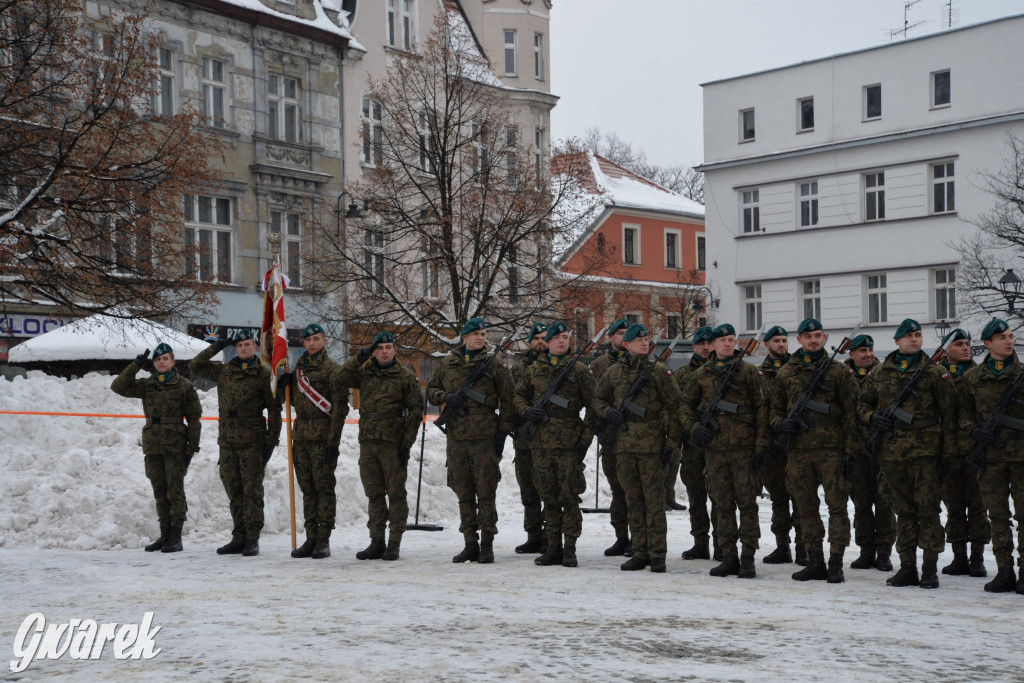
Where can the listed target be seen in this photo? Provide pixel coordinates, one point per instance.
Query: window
(510, 52)
(878, 303)
(631, 245)
(673, 325)
(128, 251)
(426, 125)
(874, 196)
(751, 206)
(213, 92)
(700, 252)
(752, 307)
(512, 155)
(163, 87)
(810, 298)
(945, 294)
(373, 259)
(746, 125)
(430, 273)
(634, 318)
(513, 276)
(479, 153)
(673, 255)
(283, 108)
(208, 231)
(538, 56)
(809, 204)
(373, 132)
(943, 197)
(400, 26)
(872, 101)
(582, 322)
(288, 226)
(805, 114)
(940, 88)
(538, 152)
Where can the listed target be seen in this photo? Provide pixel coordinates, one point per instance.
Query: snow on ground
(72, 488)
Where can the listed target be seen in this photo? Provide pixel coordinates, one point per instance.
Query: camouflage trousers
(805, 471)
(241, 472)
(619, 515)
(316, 481)
(692, 473)
(383, 476)
(473, 475)
(558, 474)
(966, 519)
(643, 482)
(670, 473)
(912, 488)
(873, 520)
(533, 514)
(773, 478)
(166, 474)
(1000, 482)
(733, 486)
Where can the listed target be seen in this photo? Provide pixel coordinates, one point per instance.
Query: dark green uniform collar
(808, 358)
(313, 359)
(958, 369)
(253, 362)
(531, 357)
(468, 355)
(383, 367)
(997, 367)
(719, 364)
(778, 362)
(557, 360)
(904, 363)
(696, 361)
(166, 377)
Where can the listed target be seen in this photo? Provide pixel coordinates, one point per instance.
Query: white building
(837, 187)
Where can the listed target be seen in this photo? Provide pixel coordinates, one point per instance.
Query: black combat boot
(977, 564)
(699, 551)
(617, 549)
(959, 566)
(471, 551)
(393, 549)
(883, 562)
(906, 576)
(658, 565)
(173, 544)
(634, 564)
(165, 531)
(1020, 582)
(718, 555)
(747, 570)
(551, 557)
(252, 547)
(800, 555)
(866, 559)
(486, 547)
(233, 547)
(628, 552)
(1004, 582)
(929, 571)
(835, 568)
(730, 565)
(569, 553)
(322, 549)
(306, 549)
(781, 555)
(374, 551)
(531, 547)
(815, 569)
(673, 505)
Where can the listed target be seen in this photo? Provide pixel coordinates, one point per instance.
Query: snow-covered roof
(322, 21)
(475, 66)
(104, 338)
(622, 188)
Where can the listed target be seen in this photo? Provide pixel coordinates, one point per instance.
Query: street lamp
(1010, 286)
(942, 328)
(698, 305)
(352, 212)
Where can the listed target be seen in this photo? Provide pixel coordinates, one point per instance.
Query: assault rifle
(466, 390)
(998, 417)
(549, 395)
(805, 402)
(893, 410)
(626, 406)
(716, 405)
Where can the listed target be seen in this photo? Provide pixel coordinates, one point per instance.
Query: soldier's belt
(392, 415)
(730, 408)
(243, 414)
(166, 420)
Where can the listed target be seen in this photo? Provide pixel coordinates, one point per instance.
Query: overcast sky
(634, 67)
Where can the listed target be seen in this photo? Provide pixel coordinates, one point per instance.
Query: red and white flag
(273, 334)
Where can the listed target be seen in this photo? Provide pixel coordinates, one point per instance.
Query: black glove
(848, 466)
(787, 426)
(331, 454)
(221, 344)
(987, 438)
(666, 456)
(581, 451)
(284, 379)
(268, 451)
(615, 417)
(403, 454)
(701, 435)
(363, 355)
(499, 444)
(188, 460)
(756, 461)
(881, 422)
(453, 401)
(143, 361)
(944, 467)
(537, 415)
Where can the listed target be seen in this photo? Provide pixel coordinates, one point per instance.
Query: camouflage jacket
(165, 405)
(565, 429)
(485, 420)
(836, 429)
(390, 403)
(932, 432)
(746, 428)
(980, 391)
(602, 363)
(770, 368)
(518, 370)
(659, 399)
(243, 393)
(860, 374)
(683, 374)
(311, 423)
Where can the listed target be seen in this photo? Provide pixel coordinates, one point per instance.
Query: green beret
(383, 338)
(556, 328)
(775, 331)
(862, 340)
(701, 334)
(633, 331)
(908, 325)
(956, 335)
(311, 329)
(620, 324)
(161, 349)
(809, 325)
(996, 326)
(243, 335)
(723, 330)
(537, 328)
(472, 325)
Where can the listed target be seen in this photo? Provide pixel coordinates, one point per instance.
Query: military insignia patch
(860, 371)
(807, 359)
(952, 369)
(903, 365)
(999, 365)
(760, 373)
(778, 364)
(945, 375)
(669, 373)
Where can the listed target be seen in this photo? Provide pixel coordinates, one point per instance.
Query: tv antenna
(950, 15)
(906, 21)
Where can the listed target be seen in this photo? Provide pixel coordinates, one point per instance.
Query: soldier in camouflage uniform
(647, 442)
(873, 520)
(533, 514)
(560, 443)
(475, 440)
(1002, 475)
(168, 400)
(245, 437)
(692, 466)
(919, 454)
(734, 453)
(390, 412)
(773, 474)
(824, 454)
(617, 508)
(966, 519)
(321, 407)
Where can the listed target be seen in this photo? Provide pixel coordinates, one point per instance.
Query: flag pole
(291, 463)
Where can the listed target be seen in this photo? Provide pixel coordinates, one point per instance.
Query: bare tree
(91, 181)
(684, 180)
